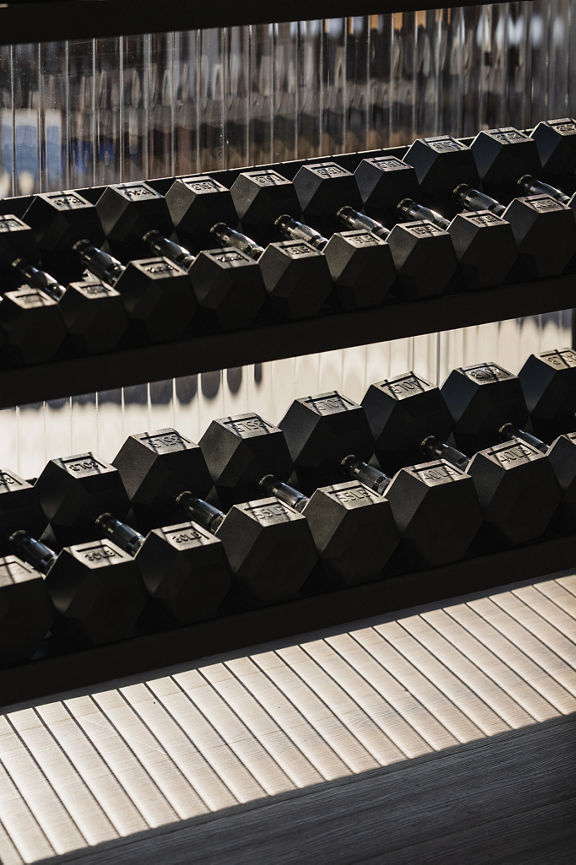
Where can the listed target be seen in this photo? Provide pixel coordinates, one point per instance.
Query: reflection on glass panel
(96, 111)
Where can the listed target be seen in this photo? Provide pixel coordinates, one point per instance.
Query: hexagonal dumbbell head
(241, 449)
(362, 268)
(517, 490)
(16, 241)
(26, 612)
(185, 570)
(436, 509)
(545, 234)
(485, 248)
(296, 277)
(323, 187)
(127, 212)
(74, 491)
(441, 163)
(261, 195)
(424, 258)
(228, 287)
(549, 385)
(196, 203)
(401, 412)
(503, 155)
(60, 219)
(19, 506)
(481, 398)
(556, 143)
(562, 457)
(31, 327)
(155, 468)
(354, 531)
(383, 181)
(97, 589)
(270, 549)
(320, 431)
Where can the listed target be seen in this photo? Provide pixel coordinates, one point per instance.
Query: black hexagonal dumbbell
(183, 567)
(227, 284)
(295, 274)
(352, 526)
(94, 587)
(548, 382)
(516, 483)
(434, 504)
(562, 456)
(422, 252)
(544, 227)
(360, 265)
(268, 545)
(32, 328)
(92, 311)
(157, 294)
(484, 242)
(26, 611)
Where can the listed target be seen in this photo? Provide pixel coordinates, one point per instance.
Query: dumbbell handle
(33, 551)
(202, 512)
(127, 538)
(411, 209)
(227, 236)
(287, 494)
(509, 431)
(166, 248)
(354, 219)
(291, 229)
(353, 467)
(100, 263)
(531, 186)
(437, 448)
(39, 279)
(473, 199)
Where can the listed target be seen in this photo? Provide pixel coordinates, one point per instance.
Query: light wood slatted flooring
(440, 734)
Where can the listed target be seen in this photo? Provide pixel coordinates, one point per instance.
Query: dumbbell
(422, 253)
(157, 294)
(268, 545)
(227, 283)
(548, 382)
(556, 143)
(92, 312)
(353, 527)
(516, 484)
(32, 328)
(95, 587)
(543, 226)
(328, 438)
(295, 274)
(360, 263)
(26, 611)
(562, 456)
(183, 568)
(483, 241)
(434, 504)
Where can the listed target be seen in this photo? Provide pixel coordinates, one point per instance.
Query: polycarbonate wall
(80, 113)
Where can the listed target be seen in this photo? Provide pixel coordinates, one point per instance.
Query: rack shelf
(63, 672)
(274, 341)
(51, 20)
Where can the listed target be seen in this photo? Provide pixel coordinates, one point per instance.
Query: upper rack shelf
(29, 21)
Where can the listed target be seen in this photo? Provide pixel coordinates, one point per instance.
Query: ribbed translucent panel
(92, 112)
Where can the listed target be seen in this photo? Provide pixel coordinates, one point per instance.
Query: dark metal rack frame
(272, 341)
(64, 672)
(32, 21)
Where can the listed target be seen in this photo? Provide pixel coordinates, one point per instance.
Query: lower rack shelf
(50, 675)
